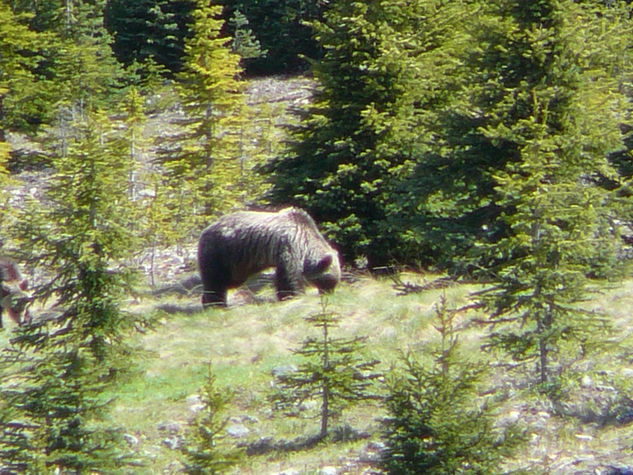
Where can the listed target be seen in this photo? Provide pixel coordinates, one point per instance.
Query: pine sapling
(437, 423)
(333, 372)
(205, 450)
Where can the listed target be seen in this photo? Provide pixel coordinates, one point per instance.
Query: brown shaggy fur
(241, 244)
(13, 299)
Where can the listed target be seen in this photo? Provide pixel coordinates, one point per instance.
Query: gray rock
(308, 406)
(238, 431)
(195, 404)
(171, 427)
(262, 446)
(284, 370)
(372, 452)
(173, 443)
(249, 419)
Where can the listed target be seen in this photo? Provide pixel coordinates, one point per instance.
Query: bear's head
(324, 274)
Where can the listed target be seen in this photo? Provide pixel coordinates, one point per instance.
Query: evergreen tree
(150, 30)
(333, 170)
(260, 141)
(88, 71)
(386, 72)
(58, 58)
(205, 450)
(555, 118)
(437, 422)
(204, 165)
(281, 29)
(452, 201)
(428, 41)
(244, 42)
(56, 369)
(5, 181)
(441, 196)
(25, 102)
(333, 372)
(135, 120)
(152, 221)
(80, 64)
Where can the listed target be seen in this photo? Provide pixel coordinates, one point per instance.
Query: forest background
(487, 140)
(421, 123)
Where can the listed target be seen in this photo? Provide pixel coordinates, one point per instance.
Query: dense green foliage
(400, 153)
(204, 162)
(21, 54)
(58, 61)
(57, 366)
(281, 27)
(557, 123)
(436, 421)
(158, 30)
(491, 139)
(150, 30)
(244, 42)
(373, 119)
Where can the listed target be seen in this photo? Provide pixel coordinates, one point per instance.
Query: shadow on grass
(187, 309)
(267, 445)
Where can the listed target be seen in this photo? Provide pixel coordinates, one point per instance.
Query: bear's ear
(324, 263)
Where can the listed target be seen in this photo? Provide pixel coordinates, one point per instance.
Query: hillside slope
(586, 431)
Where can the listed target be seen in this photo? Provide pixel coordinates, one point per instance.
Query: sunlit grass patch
(244, 344)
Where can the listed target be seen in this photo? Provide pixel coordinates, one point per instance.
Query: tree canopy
(423, 107)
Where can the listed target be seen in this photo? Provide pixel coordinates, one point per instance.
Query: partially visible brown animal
(13, 297)
(241, 244)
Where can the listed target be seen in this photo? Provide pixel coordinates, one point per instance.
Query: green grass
(243, 344)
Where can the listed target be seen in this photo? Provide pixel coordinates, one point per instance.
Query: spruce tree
(5, 182)
(148, 190)
(81, 65)
(386, 72)
(333, 170)
(135, 119)
(437, 423)
(553, 113)
(25, 102)
(150, 31)
(244, 42)
(451, 202)
(204, 163)
(205, 449)
(57, 367)
(282, 30)
(333, 372)
(428, 41)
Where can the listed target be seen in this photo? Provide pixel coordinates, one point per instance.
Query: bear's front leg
(288, 279)
(214, 298)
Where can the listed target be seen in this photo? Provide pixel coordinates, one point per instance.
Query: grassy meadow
(243, 345)
(586, 428)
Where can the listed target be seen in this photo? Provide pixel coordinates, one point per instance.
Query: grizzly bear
(13, 299)
(241, 244)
